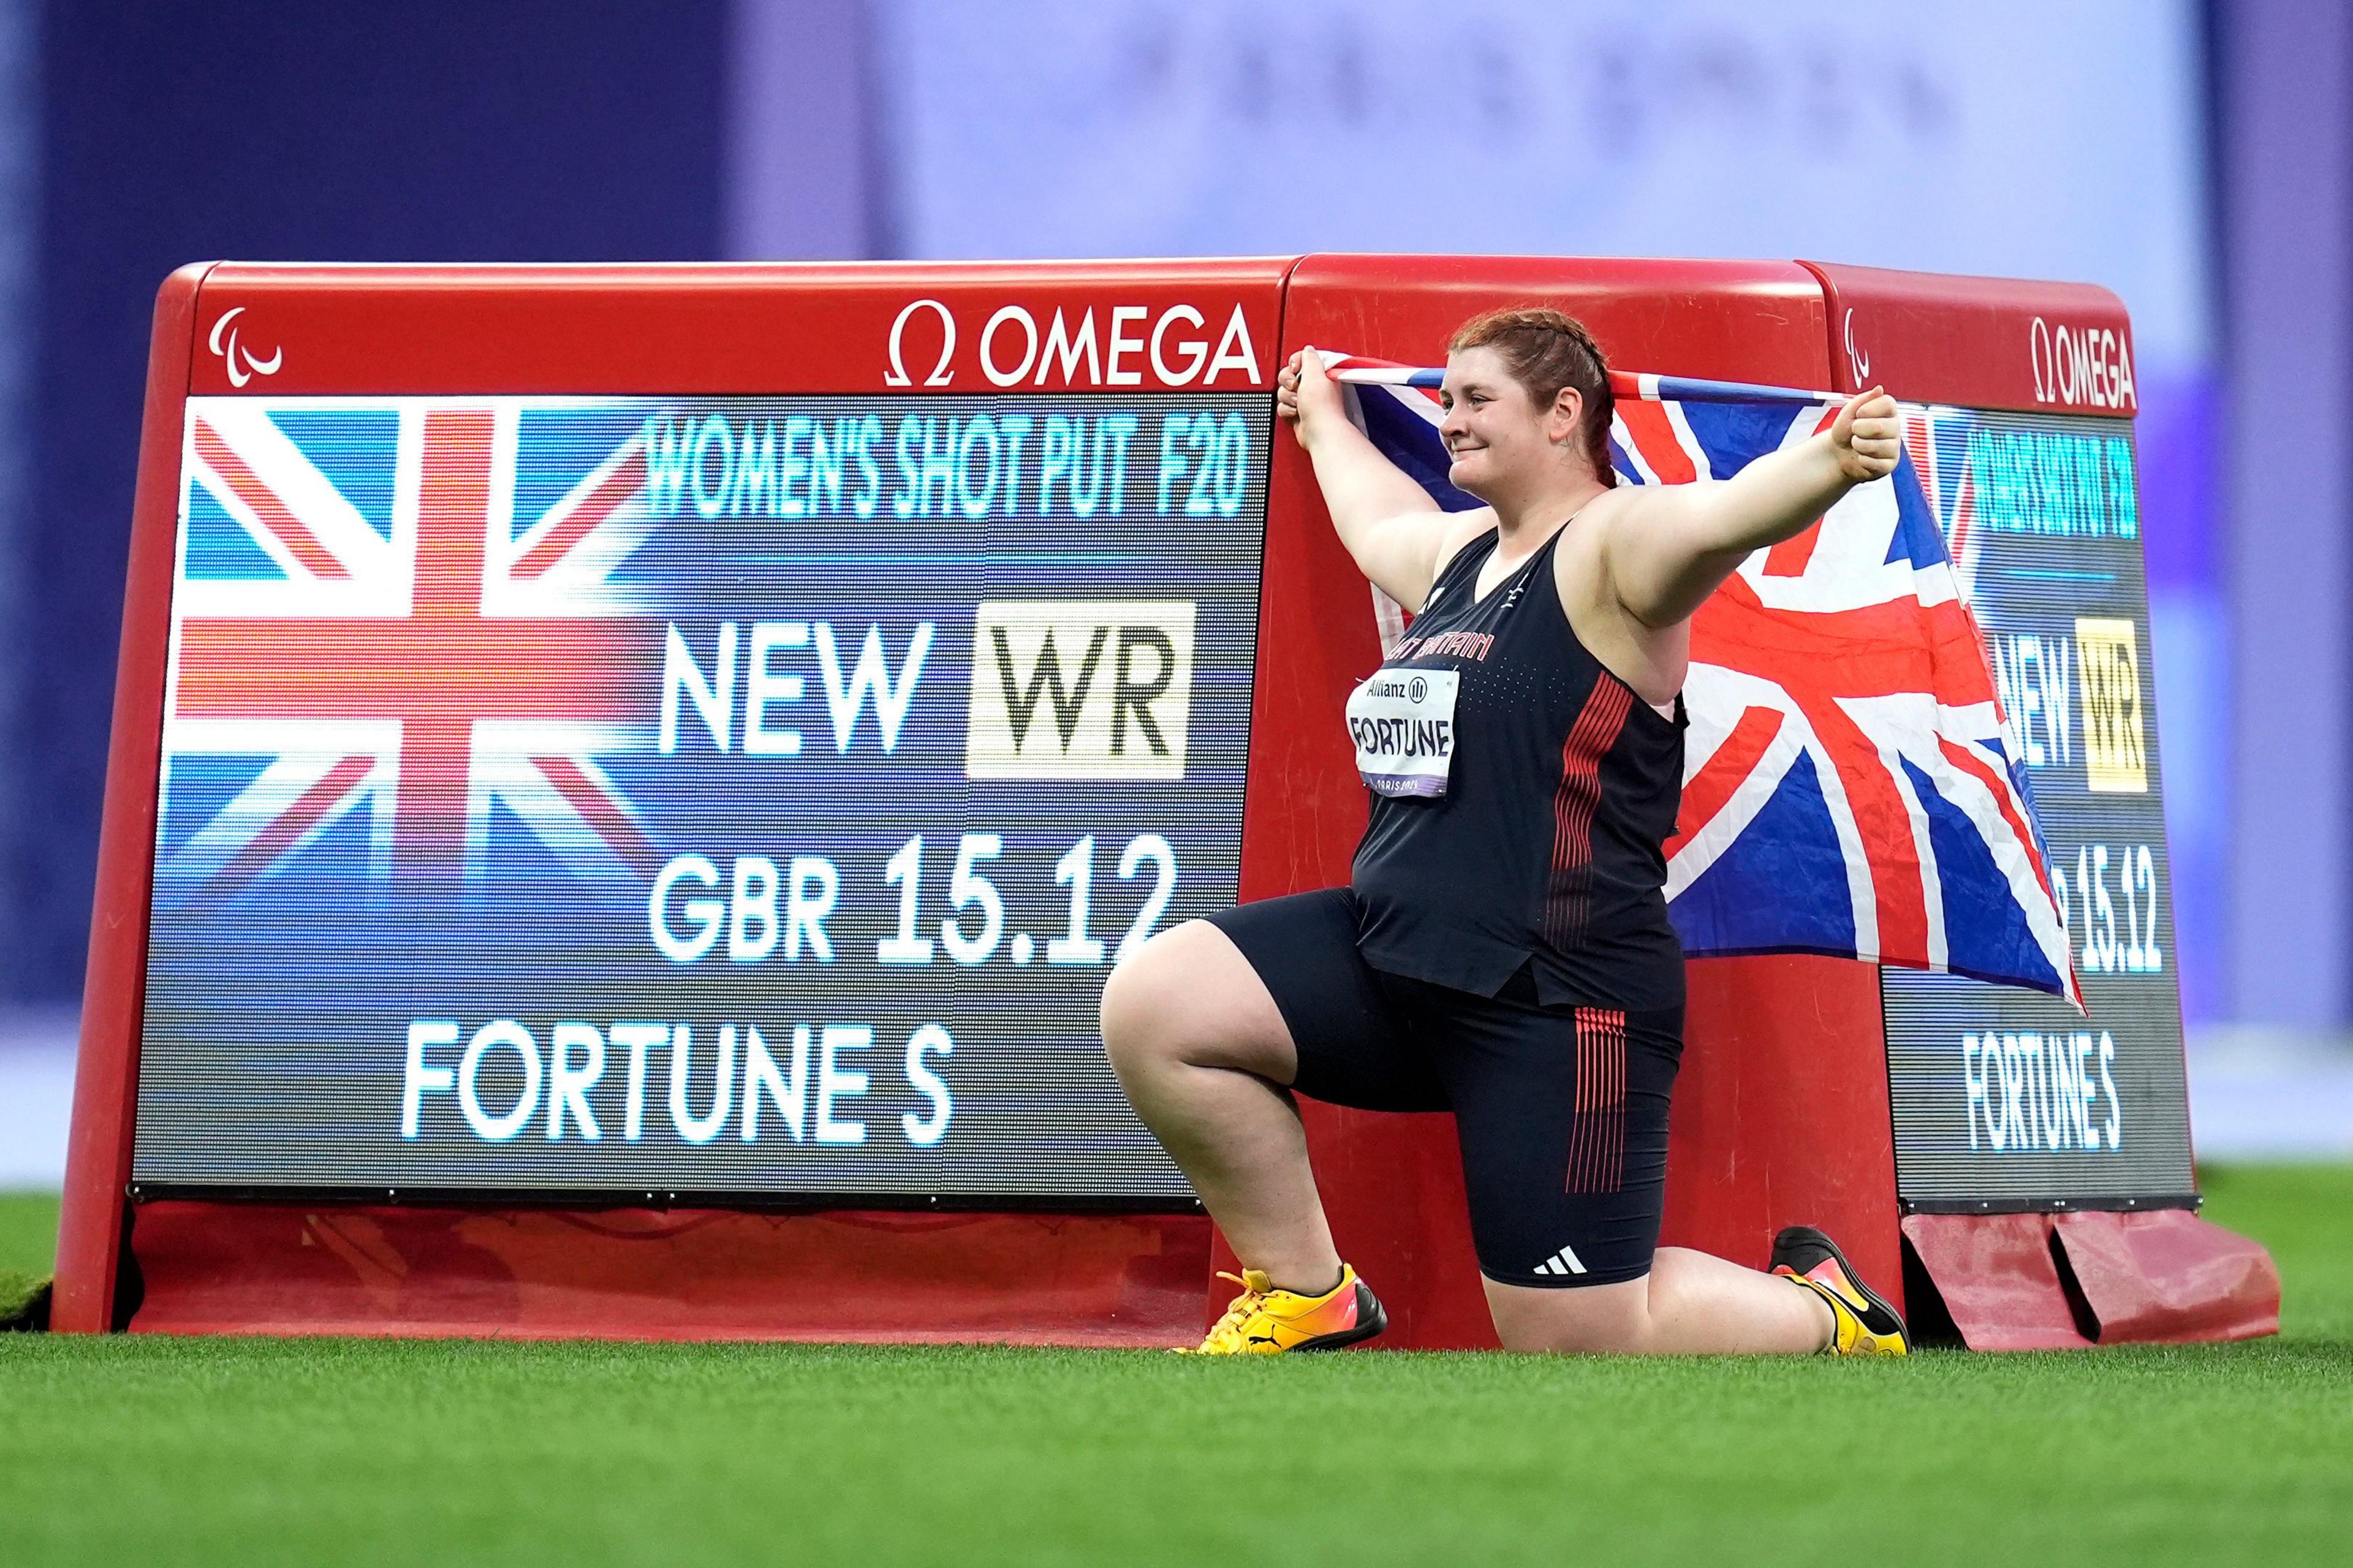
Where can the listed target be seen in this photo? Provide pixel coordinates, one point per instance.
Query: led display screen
(2004, 1097)
(739, 795)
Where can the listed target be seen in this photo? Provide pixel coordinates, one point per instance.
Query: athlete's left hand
(1867, 437)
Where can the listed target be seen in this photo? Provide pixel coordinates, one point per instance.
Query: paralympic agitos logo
(243, 364)
(1098, 346)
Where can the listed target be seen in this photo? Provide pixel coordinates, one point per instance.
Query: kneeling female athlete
(1501, 950)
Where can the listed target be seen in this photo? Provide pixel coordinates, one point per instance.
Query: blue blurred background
(2194, 155)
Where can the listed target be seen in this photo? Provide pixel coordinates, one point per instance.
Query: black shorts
(1561, 1111)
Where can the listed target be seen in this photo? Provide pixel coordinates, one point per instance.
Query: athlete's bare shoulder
(1604, 509)
(1651, 660)
(1580, 564)
(1461, 529)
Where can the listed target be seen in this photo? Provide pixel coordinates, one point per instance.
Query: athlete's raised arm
(1667, 547)
(1398, 535)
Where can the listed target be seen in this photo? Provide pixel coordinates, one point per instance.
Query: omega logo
(2079, 368)
(941, 375)
(1113, 351)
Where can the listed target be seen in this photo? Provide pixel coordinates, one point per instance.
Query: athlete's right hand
(1305, 396)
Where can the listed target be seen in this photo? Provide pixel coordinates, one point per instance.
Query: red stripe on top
(271, 512)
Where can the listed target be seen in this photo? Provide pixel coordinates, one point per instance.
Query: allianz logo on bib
(1403, 725)
(1080, 689)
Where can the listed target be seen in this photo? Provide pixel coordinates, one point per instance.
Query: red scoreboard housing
(1783, 1113)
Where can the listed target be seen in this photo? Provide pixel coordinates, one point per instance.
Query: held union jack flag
(1850, 784)
(393, 624)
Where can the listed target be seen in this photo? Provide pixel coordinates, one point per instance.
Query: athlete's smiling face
(1498, 439)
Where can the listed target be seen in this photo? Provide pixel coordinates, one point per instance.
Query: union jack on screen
(391, 624)
(1849, 786)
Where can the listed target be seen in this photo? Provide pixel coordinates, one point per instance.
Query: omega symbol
(941, 375)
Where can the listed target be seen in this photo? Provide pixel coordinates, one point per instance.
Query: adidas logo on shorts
(1563, 1262)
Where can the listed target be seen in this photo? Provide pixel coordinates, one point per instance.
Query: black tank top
(1545, 849)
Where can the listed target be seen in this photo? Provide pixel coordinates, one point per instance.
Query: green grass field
(183, 1452)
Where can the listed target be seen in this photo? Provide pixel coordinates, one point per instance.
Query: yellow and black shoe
(1263, 1320)
(1867, 1324)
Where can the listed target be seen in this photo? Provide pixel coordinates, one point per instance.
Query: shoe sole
(1367, 1327)
(1903, 1330)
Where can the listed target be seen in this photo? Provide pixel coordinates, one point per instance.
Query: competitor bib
(1403, 724)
